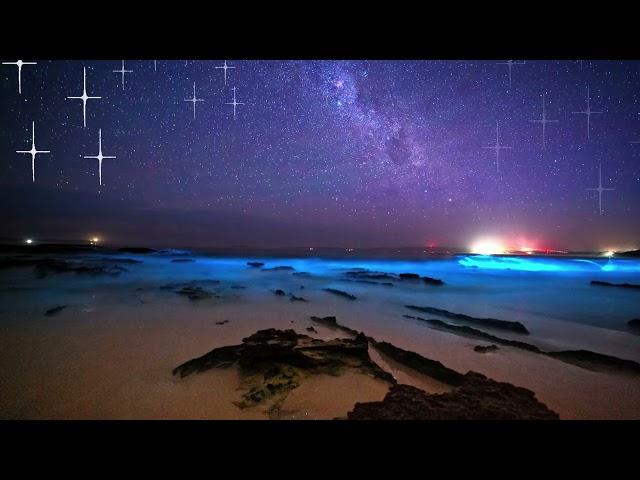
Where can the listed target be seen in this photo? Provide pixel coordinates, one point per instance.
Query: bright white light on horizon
(609, 253)
(488, 247)
(28, 241)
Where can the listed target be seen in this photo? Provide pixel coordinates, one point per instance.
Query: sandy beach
(110, 352)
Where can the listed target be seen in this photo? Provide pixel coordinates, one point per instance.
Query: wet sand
(110, 353)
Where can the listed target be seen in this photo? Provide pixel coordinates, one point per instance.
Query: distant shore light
(488, 247)
(609, 253)
(28, 241)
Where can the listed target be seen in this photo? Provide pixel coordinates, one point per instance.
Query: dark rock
(302, 274)
(426, 366)
(409, 276)
(582, 358)
(371, 282)
(54, 311)
(222, 322)
(139, 250)
(488, 322)
(311, 329)
(282, 268)
(182, 260)
(620, 285)
(194, 293)
(340, 293)
(478, 398)
(124, 260)
(475, 333)
(279, 292)
(485, 348)
(48, 266)
(274, 362)
(255, 264)
(293, 298)
(363, 275)
(237, 287)
(369, 275)
(597, 361)
(333, 323)
(192, 284)
(635, 323)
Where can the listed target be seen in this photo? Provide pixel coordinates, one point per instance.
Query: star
(33, 152)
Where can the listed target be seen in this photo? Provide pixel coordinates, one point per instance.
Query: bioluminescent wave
(549, 264)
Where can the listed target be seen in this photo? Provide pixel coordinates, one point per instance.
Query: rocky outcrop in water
(635, 323)
(487, 322)
(477, 398)
(193, 290)
(255, 264)
(409, 276)
(293, 298)
(582, 358)
(333, 323)
(302, 274)
(274, 362)
(54, 311)
(619, 285)
(48, 267)
(370, 282)
(361, 274)
(44, 267)
(194, 293)
(280, 268)
(417, 362)
(340, 293)
(485, 348)
(369, 275)
(597, 361)
(128, 261)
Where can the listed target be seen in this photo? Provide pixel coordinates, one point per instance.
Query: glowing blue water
(539, 264)
(518, 288)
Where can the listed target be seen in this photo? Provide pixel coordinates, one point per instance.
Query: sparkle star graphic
(234, 103)
(19, 64)
(497, 147)
(122, 72)
(33, 152)
(84, 97)
(599, 189)
(100, 157)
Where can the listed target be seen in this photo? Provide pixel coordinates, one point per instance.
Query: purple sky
(324, 153)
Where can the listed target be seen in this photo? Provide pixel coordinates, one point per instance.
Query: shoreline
(109, 353)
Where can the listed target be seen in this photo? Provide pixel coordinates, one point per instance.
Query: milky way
(345, 153)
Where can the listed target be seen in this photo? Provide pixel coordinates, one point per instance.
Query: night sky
(323, 153)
